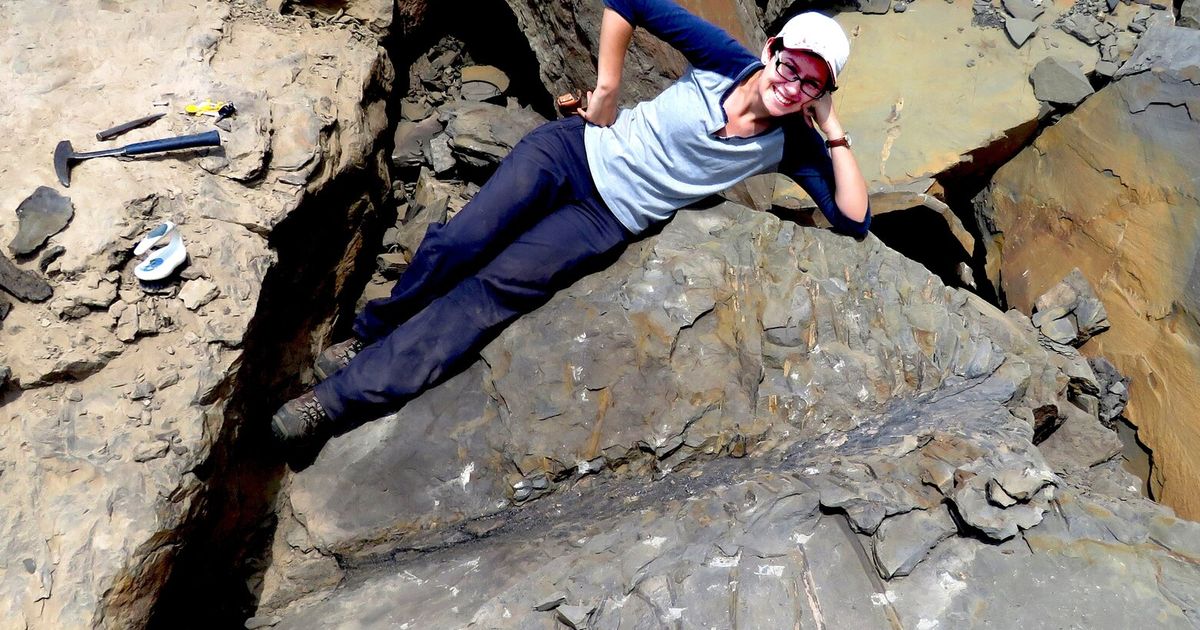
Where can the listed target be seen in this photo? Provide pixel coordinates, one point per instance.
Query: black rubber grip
(206, 139)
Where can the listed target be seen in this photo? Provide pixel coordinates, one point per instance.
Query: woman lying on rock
(574, 192)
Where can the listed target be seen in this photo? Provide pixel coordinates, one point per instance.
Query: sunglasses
(810, 86)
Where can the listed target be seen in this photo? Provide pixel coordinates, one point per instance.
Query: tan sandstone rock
(1112, 189)
(97, 474)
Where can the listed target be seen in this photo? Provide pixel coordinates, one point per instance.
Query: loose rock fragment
(1060, 82)
(26, 286)
(552, 602)
(1019, 31)
(41, 215)
(902, 541)
(1070, 312)
(1023, 9)
(197, 293)
(1084, 27)
(874, 6)
(575, 617)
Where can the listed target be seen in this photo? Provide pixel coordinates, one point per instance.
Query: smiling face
(780, 96)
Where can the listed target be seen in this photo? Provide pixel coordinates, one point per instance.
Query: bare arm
(615, 34)
(851, 195)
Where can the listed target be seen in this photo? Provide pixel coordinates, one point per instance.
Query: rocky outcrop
(565, 38)
(738, 400)
(1111, 189)
(124, 400)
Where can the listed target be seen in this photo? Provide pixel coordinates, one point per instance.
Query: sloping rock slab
(1112, 189)
(728, 332)
(743, 543)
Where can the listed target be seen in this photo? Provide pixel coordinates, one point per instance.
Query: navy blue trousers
(537, 225)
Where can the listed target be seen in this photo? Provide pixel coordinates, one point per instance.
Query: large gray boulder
(843, 375)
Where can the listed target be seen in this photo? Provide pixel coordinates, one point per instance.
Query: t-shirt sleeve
(806, 160)
(706, 46)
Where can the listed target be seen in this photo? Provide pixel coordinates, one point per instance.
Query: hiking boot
(336, 357)
(300, 418)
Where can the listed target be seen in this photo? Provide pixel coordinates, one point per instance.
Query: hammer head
(62, 162)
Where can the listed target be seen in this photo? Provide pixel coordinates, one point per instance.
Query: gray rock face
(743, 542)
(1059, 82)
(41, 215)
(845, 378)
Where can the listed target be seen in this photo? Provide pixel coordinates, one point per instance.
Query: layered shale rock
(122, 400)
(738, 406)
(1112, 190)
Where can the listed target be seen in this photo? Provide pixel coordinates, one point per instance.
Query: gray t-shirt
(664, 154)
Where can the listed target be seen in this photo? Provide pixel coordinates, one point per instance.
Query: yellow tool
(206, 108)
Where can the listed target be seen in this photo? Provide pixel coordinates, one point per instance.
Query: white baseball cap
(821, 35)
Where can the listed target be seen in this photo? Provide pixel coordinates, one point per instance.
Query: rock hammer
(65, 155)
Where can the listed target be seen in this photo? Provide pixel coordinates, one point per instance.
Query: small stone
(391, 265)
(153, 450)
(51, 254)
(1019, 31)
(575, 617)
(1058, 81)
(30, 565)
(197, 293)
(414, 109)
(479, 91)
(970, 63)
(552, 602)
(439, 156)
(998, 496)
(254, 623)
(26, 286)
(902, 541)
(1083, 27)
(1023, 9)
(900, 7)
(142, 391)
(41, 215)
(74, 395)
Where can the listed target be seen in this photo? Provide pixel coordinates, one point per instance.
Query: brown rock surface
(1112, 189)
(914, 106)
(127, 394)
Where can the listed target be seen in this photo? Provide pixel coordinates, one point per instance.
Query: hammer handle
(206, 139)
